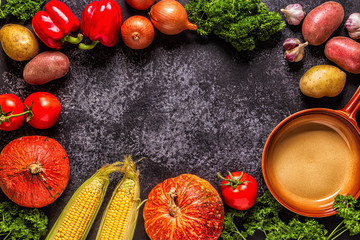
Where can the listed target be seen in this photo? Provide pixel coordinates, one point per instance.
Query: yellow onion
(137, 32)
(140, 4)
(170, 17)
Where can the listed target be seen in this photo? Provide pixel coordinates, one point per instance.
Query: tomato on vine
(239, 190)
(45, 110)
(11, 112)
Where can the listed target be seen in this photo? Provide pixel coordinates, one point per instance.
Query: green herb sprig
(348, 209)
(243, 23)
(21, 9)
(21, 223)
(264, 217)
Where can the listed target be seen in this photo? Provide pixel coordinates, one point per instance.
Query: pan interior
(311, 159)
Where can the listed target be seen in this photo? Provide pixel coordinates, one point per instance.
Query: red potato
(321, 22)
(45, 67)
(345, 52)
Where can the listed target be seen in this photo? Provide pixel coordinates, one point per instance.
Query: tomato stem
(5, 117)
(232, 182)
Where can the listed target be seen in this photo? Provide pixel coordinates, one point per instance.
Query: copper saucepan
(313, 155)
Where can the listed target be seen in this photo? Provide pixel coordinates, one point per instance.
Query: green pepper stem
(72, 40)
(88, 46)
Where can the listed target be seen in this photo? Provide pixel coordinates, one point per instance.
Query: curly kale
(18, 223)
(264, 217)
(243, 23)
(21, 9)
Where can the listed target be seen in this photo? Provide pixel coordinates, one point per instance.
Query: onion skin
(137, 32)
(140, 4)
(170, 17)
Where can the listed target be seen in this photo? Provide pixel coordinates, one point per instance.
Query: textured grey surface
(187, 104)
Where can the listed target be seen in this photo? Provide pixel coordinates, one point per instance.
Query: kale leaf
(22, 223)
(264, 217)
(243, 23)
(21, 9)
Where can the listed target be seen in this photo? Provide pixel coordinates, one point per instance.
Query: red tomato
(239, 190)
(46, 109)
(11, 104)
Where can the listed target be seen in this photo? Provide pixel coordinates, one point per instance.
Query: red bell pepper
(54, 25)
(101, 22)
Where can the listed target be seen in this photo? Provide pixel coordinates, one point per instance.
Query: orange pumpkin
(184, 207)
(34, 171)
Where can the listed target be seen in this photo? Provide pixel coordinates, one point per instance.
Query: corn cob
(120, 216)
(79, 213)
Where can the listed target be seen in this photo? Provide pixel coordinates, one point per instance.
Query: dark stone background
(187, 104)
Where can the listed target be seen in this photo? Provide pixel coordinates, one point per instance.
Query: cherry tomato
(239, 190)
(11, 105)
(45, 108)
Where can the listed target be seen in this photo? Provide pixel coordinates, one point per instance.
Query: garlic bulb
(294, 14)
(294, 49)
(291, 43)
(352, 24)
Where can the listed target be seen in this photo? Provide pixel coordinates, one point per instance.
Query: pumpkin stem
(35, 168)
(174, 210)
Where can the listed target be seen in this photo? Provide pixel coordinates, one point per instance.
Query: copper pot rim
(343, 116)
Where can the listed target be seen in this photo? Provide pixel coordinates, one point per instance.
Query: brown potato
(18, 42)
(345, 52)
(321, 22)
(45, 67)
(322, 81)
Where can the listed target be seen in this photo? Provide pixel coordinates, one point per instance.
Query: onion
(140, 4)
(170, 17)
(137, 32)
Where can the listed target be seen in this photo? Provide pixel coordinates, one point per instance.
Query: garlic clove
(296, 54)
(352, 24)
(294, 14)
(291, 43)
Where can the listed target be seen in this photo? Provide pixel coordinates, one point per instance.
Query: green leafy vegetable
(21, 9)
(349, 209)
(242, 22)
(264, 217)
(21, 223)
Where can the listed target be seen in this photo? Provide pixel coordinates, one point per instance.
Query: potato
(45, 67)
(18, 42)
(322, 81)
(321, 22)
(345, 52)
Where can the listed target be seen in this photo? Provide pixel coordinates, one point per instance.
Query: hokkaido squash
(34, 171)
(184, 207)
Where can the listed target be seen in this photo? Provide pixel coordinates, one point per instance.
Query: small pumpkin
(184, 207)
(34, 171)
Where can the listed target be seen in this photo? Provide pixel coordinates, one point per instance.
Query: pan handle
(353, 105)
